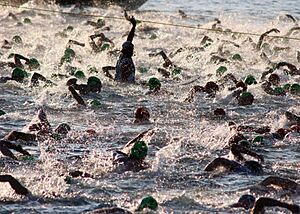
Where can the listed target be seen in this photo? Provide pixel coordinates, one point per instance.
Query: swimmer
(98, 46)
(249, 167)
(141, 115)
(15, 184)
(94, 84)
(292, 69)
(210, 88)
(147, 203)
(132, 157)
(239, 148)
(261, 38)
(39, 127)
(5, 147)
(249, 202)
(125, 69)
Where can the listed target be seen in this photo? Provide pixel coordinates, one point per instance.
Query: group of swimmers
(132, 156)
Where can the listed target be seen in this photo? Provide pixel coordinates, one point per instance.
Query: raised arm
(133, 22)
(76, 96)
(269, 202)
(261, 38)
(237, 151)
(19, 189)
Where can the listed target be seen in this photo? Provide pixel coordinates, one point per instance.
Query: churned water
(187, 135)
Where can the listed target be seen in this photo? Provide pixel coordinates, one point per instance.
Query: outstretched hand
(130, 18)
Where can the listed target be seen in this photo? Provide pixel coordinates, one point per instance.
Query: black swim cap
(254, 167)
(127, 45)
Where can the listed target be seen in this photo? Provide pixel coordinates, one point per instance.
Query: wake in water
(214, 112)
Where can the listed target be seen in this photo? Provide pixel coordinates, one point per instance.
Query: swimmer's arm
(94, 46)
(106, 70)
(18, 58)
(102, 36)
(36, 77)
(15, 147)
(261, 38)
(5, 151)
(139, 137)
(194, 89)
(291, 31)
(280, 182)
(15, 184)
(269, 202)
(264, 74)
(73, 42)
(293, 69)
(77, 173)
(15, 135)
(221, 162)
(246, 151)
(133, 22)
(76, 96)
(167, 62)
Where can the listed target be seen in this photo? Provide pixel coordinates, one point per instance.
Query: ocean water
(187, 136)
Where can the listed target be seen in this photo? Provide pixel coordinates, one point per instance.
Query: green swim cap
(34, 63)
(258, 139)
(143, 70)
(27, 21)
(94, 103)
(237, 57)
(295, 89)
(153, 83)
(69, 53)
(100, 23)
(105, 47)
(17, 39)
(28, 158)
(287, 86)
(2, 112)
(79, 74)
(148, 202)
(94, 81)
(70, 28)
(221, 70)
(279, 90)
(153, 36)
(19, 74)
(176, 71)
(244, 143)
(249, 80)
(246, 95)
(139, 150)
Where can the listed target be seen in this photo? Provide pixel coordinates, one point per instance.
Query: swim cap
(247, 201)
(258, 139)
(27, 21)
(295, 89)
(274, 79)
(17, 39)
(287, 86)
(104, 47)
(69, 53)
(254, 167)
(279, 90)
(221, 70)
(79, 74)
(176, 71)
(94, 81)
(100, 23)
(94, 103)
(249, 80)
(142, 70)
(2, 112)
(62, 128)
(70, 28)
(153, 83)
(34, 63)
(244, 143)
(148, 202)
(19, 74)
(139, 150)
(128, 45)
(237, 57)
(246, 98)
(211, 87)
(219, 112)
(141, 113)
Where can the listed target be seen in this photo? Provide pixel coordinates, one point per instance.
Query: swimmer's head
(19, 74)
(295, 89)
(141, 114)
(127, 49)
(274, 79)
(69, 53)
(154, 83)
(246, 201)
(94, 83)
(249, 80)
(71, 82)
(62, 129)
(211, 87)
(139, 150)
(246, 98)
(148, 202)
(219, 112)
(33, 64)
(281, 133)
(242, 85)
(254, 167)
